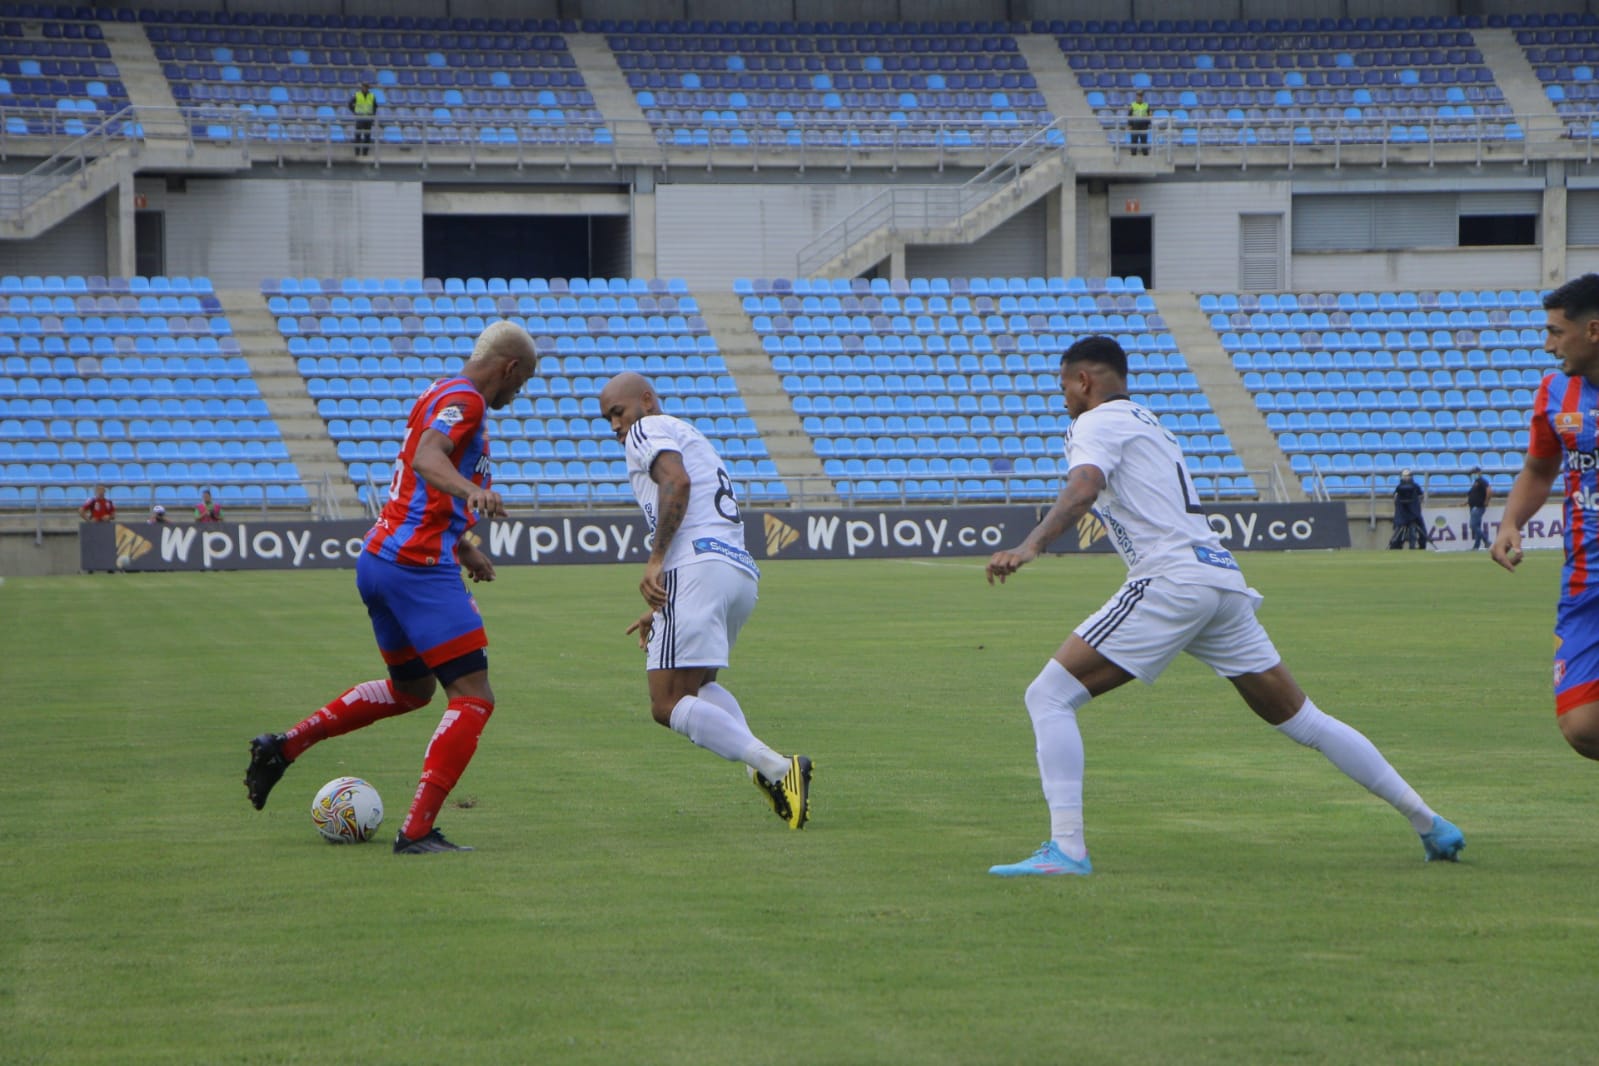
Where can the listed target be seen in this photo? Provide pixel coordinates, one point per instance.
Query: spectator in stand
(158, 516)
(364, 104)
(98, 508)
(205, 510)
(1138, 123)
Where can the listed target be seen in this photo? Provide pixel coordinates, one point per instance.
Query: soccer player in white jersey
(1184, 592)
(700, 584)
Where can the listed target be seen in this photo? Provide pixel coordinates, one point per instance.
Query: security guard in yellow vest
(365, 105)
(1138, 123)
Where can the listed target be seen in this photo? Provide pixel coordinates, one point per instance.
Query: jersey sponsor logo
(1585, 499)
(451, 415)
(1568, 421)
(1215, 557)
(738, 556)
(482, 466)
(1582, 462)
(1123, 539)
(1560, 671)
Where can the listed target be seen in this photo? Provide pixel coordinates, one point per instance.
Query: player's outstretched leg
(1348, 749)
(267, 764)
(783, 779)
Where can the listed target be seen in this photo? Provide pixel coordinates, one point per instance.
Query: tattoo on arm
(1082, 488)
(672, 504)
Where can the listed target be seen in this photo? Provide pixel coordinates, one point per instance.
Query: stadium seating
(1360, 385)
(56, 76)
(447, 81)
(367, 348)
(1308, 81)
(828, 84)
(134, 382)
(948, 387)
(1563, 51)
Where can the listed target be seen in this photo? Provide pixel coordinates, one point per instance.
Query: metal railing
(1088, 142)
(85, 145)
(930, 206)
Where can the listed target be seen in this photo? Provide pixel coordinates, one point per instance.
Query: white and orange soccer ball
(347, 811)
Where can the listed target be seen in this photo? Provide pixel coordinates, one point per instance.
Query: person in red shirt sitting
(97, 508)
(205, 510)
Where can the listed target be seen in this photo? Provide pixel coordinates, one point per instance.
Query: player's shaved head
(502, 360)
(627, 385)
(625, 399)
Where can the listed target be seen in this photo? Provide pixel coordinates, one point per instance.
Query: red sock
(362, 705)
(452, 747)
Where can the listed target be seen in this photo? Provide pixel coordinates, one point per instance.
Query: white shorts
(706, 605)
(1149, 620)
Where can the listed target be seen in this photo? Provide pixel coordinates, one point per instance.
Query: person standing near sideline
(205, 510)
(427, 624)
(1184, 592)
(98, 508)
(1409, 527)
(701, 586)
(1477, 498)
(1564, 439)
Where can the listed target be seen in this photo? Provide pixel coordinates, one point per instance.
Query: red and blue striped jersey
(1565, 426)
(420, 525)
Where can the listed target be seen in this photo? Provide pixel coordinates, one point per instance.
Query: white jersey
(712, 528)
(1149, 507)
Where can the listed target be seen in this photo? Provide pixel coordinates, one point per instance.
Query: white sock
(1349, 750)
(715, 693)
(715, 730)
(1052, 702)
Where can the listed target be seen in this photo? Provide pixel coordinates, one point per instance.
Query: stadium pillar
(1097, 244)
(896, 261)
(1552, 226)
(119, 242)
(1060, 231)
(643, 227)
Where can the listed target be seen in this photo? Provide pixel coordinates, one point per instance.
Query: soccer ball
(347, 811)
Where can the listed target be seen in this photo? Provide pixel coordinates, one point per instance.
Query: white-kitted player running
(1184, 592)
(701, 585)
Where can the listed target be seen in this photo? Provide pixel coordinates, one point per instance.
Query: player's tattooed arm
(1083, 485)
(674, 484)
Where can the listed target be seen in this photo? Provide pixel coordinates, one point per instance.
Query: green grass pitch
(633, 901)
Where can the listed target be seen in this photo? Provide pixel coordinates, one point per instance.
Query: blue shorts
(419, 611)
(1576, 653)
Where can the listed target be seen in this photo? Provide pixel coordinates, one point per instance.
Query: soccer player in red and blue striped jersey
(1565, 439)
(409, 575)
